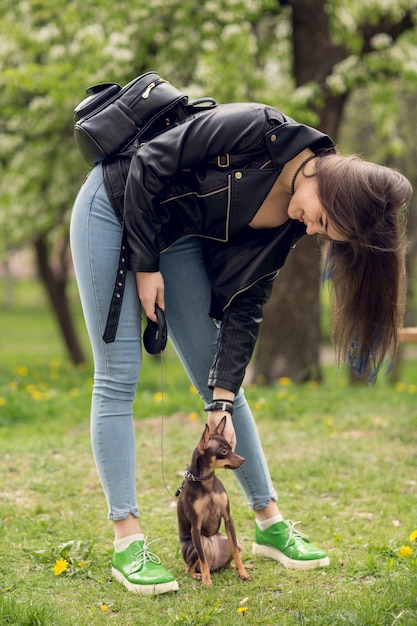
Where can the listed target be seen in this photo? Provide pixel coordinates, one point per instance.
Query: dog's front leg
(198, 545)
(231, 535)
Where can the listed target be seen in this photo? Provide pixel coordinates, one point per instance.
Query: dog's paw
(243, 575)
(248, 566)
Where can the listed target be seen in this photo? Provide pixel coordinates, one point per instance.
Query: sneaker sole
(145, 590)
(277, 555)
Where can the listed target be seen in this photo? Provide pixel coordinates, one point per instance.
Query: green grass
(342, 458)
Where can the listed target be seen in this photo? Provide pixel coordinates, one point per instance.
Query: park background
(343, 455)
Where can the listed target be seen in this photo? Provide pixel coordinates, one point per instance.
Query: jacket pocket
(198, 209)
(249, 188)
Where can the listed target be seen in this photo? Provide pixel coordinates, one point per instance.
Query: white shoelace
(294, 532)
(144, 555)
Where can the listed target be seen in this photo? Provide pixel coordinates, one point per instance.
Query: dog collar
(195, 479)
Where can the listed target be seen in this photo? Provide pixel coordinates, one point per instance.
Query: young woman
(204, 216)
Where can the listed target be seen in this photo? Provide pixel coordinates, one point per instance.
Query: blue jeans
(95, 241)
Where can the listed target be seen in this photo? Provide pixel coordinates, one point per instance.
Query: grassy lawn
(343, 460)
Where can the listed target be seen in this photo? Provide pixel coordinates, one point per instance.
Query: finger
(160, 300)
(149, 308)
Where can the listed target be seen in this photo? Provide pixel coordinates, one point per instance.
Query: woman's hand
(150, 286)
(214, 419)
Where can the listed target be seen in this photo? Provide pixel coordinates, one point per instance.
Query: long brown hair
(367, 204)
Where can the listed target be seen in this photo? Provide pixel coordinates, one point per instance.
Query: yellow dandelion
(104, 607)
(260, 402)
(21, 371)
(405, 551)
(285, 381)
(242, 609)
(81, 564)
(193, 416)
(412, 388)
(400, 387)
(158, 396)
(329, 421)
(60, 566)
(413, 536)
(3, 401)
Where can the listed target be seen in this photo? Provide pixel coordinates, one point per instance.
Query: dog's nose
(236, 462)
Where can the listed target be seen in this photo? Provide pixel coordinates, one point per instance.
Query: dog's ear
(204, 440)
(220, 427)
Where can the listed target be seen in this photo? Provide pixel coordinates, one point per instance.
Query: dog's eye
(224, 451)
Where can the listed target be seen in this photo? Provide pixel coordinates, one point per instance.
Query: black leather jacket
(208, 176)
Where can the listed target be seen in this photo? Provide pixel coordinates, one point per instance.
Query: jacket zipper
(273, 276)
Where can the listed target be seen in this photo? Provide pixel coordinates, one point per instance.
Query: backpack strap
(115, 175)
(115, 171)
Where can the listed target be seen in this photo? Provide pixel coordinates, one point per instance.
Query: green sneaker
(140, 570)
(284, 543)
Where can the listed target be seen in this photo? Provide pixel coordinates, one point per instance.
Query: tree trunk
(55, 282)
(290, 337)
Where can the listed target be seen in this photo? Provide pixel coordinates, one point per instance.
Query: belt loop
(223, 161)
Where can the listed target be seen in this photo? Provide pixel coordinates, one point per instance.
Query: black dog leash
(162, 425)
(188, 475)
(154, 340)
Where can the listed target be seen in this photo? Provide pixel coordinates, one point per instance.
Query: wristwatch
(220, 405)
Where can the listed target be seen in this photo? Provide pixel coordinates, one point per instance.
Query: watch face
(156, 334)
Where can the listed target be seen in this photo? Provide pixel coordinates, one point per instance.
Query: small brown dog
(202, 504)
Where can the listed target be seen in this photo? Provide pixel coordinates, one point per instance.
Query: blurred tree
(304, 56)
(337, 47)
(50, 53)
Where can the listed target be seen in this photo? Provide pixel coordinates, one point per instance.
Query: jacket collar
(288, 139)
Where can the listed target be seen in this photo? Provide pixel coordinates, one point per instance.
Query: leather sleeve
(195, 140)
(238, 334)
